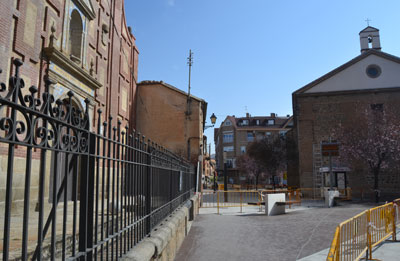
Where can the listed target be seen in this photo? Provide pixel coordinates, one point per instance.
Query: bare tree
(273, 154)
(250, 167)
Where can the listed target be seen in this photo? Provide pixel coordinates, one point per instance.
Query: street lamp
(213, 119)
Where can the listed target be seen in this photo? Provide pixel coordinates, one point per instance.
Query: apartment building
(235, 133)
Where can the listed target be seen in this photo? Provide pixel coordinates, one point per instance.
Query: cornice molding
(86, 8)
(74, 69)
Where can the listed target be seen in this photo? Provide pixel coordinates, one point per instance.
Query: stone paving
(253, 236)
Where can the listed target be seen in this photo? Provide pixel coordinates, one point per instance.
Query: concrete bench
(288, 203)
(275, 204)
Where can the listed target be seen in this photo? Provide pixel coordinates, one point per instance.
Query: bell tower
(369, 39)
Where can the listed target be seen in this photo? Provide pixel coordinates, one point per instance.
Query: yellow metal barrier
(396, 213)
(334, 251)
(381, 223)
(292, 196)
(241, 198)
(231, 198)
(396, 205)
(358, 235)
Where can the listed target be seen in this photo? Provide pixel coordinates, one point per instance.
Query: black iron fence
(98, 192)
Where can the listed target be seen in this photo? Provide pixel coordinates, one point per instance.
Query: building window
(242, 149)
(245, 122)
(250, 137)
(228, 123)
(282, 133)
(231, 163)
(268, 134)
(373, 71)
(228, 148)
(271, 122)
(377, 107)
(227, 137)
(76, 36)
(257, 122)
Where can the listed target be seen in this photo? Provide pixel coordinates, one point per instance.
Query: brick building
(83, 46)
(336, 98)
(168, 116)
(234, 134)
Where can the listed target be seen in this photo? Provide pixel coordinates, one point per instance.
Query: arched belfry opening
(76, 36)
(369, 39)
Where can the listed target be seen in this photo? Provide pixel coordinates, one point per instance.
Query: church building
(370, 80)
(84, 46)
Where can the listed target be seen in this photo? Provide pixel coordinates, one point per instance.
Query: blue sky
(253, 53)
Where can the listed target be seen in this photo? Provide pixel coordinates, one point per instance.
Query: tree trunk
(376, 185)
(257, 180)
(273, 181)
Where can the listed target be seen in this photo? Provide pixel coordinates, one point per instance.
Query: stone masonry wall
(167, 237)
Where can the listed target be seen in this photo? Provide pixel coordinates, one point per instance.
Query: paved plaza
(251, 235)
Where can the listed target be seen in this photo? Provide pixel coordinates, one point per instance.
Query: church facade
(370, 80)
(83, 46)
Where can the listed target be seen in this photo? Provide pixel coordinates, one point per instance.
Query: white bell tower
(369, 39)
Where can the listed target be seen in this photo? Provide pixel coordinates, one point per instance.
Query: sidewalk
(253, 236)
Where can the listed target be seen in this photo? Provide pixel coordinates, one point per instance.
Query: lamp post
(213, 119)
(215, 181)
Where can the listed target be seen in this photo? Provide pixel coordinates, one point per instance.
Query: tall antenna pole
(190, 62)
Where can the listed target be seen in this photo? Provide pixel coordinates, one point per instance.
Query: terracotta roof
(280, 122)
(346, 65)
(143, 83)
(232, 119)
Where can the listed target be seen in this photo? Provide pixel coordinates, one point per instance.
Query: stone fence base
(167, 237)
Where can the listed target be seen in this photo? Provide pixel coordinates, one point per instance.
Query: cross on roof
(368, 20)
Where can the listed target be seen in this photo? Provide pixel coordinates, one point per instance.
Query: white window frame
(227, 140)
(228, 148)
(71, 6)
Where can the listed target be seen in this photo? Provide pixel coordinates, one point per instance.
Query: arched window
(75, 36)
